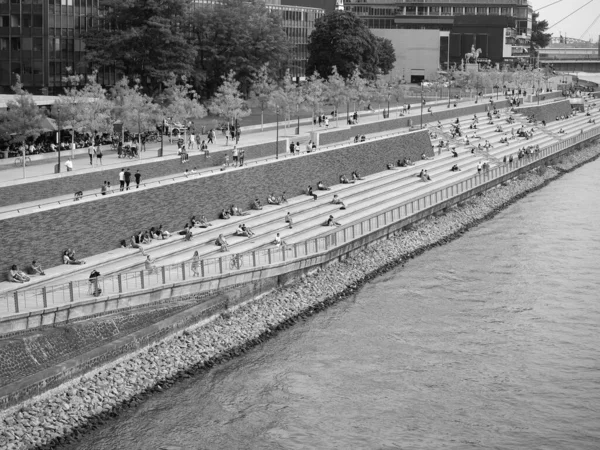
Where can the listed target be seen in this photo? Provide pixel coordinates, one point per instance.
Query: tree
(240, 36)
(179, 101)
(343, 40)
(314, 94)
(285, 97)
(263, 88)
(539, 37)
(142, 38)
(335, 91)
(23, 118)
(358, 89)
(133, 108)
(228, 101)
(386, 55)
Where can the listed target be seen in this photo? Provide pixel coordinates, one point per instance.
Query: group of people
(15, 275)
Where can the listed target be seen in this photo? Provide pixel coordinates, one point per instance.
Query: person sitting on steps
(236, 211)
(344, 180)
(203, 223)
(240, 231)
(16, 276)
(455, 168)
(337, 201)
(310, 192)
(256, 204)
(288, 219)
(356, 176)
(224, 214)
(271, 200)
(322, 187)
(330, 222)
(247, 230)
(221, 242)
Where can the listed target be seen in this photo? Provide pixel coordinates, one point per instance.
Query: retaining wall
(328, 137)
(97, 226)
(69, 183)
(548, 111)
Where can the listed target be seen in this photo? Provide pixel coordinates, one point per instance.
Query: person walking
(138, 177)
(127, 176)
(91, 151)
(235, 155)
(122, 180)
(69, 165)
(241, 156)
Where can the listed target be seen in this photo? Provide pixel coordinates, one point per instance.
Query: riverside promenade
(380, 192)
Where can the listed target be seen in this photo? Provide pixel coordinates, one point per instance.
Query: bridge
(573, 65)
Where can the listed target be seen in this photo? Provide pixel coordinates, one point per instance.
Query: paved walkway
(110, 160)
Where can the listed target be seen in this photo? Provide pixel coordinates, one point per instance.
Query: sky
(576, 24)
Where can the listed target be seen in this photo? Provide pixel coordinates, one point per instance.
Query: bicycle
(236, 261)
(19, 160)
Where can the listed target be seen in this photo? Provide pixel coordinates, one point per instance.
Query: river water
(489, 342)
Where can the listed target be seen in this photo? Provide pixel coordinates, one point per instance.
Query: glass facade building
(39, 39)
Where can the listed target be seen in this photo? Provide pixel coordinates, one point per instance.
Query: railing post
(295, 250)
(120, 283)
(327, 242)
(45, 297)
(253, 258)
(164, 275)
(183, 270)
(142, 279)
(362, 229)
(202, 268)
(220, 264)
(71, 296)
(269, 253)
(283, 252)
(16, 297)
(305, 248)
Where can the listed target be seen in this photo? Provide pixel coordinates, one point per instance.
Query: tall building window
(446, 10)
(15, 44)
(482, 11)
(3, 44)
(470, 10)
(434, 10)
(4, 21)
(494, 11)
(15, 20)
(505, 11)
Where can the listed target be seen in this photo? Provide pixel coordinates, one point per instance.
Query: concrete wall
(547, 112)
(417, 51)
(345, 134)
(73, 182)
(98, 226)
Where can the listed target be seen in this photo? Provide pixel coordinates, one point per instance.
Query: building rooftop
(40, 100)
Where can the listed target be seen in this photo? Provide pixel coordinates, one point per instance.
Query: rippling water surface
(490, 342)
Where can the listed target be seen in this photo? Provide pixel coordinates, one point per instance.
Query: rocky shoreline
(61, 415)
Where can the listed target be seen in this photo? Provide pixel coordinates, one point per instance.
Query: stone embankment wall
(73, 182)
(333, 136)
(547, 112)
(62, 415)
(98, 226)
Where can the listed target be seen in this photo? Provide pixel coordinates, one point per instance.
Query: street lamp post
(277, 135)
(162, 138)
(388, 100)
(421, 104)
(58, 138)
(497, 88)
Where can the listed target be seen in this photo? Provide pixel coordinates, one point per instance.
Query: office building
(500, 28)
(39, 39)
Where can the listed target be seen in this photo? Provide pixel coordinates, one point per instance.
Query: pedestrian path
(110, 160)
(364, 199)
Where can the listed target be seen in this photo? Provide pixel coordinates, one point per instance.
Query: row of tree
(151, 39)
(93, 108)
